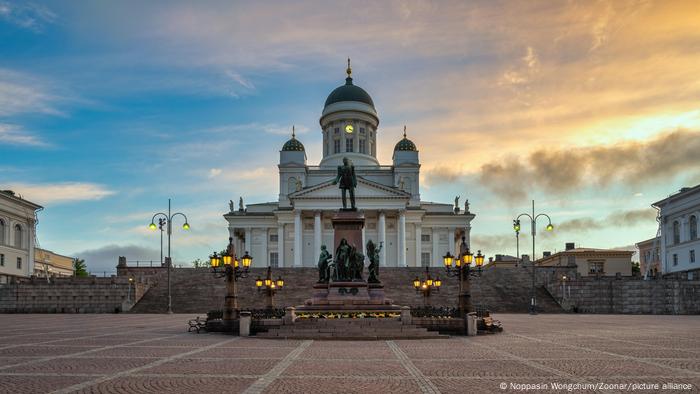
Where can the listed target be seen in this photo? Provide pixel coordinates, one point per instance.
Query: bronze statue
(348, 182)
(357, 265)
(323, 259)
(343, 254)
(373, 255)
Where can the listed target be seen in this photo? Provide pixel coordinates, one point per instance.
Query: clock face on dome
(349, 129)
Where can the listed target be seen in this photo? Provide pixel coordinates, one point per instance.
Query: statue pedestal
(348, 297)
(348, 224)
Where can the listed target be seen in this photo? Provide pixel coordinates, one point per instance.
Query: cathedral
(289, 232)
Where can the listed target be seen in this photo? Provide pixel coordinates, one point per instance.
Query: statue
(348, 182)
(323, 259)
(466, 206)
(230, 205)
(373, 268)
(298, 185)
(240, 204)
(463, 247)
(457, 203)
(343, 255)
(357, 265)
(402, 184)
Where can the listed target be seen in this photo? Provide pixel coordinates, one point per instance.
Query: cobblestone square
(155, 354)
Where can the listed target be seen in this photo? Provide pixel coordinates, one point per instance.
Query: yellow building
(48, 263)
(590, 261)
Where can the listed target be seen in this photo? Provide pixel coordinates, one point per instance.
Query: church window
(371, 134)
(19, 263)
(692, 256)
(291, 185)
(676, 232)
(425, 237)
(2, 232)
(2, 260)
(675, 259)
(336, 146)
(274, 259)
(363, 146)
(693, 227)
(348, 144)
(18, 236)
(362, 130)
(425, 259)
(273, 238)
(337, 130)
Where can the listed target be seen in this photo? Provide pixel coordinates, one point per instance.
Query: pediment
(365, 190)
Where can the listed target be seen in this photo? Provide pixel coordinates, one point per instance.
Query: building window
(693, 227)
(18, 236)
(425, 259)
(596, 267)
(336, 146)
(2, 260)
(363, 146)
(676, 232)
(362, 130)
(675, 259)
(692, 256)
(371, 134)
(19, 263)
(425, 237)
(274, 260)
(273, 238)
(348, 144)
(337, 130)
(2, 232)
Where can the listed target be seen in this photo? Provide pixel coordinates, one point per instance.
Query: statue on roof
(230, 205)
(457, 202)
(240, 204)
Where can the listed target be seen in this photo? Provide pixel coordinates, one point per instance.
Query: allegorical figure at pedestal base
(373, 255)
(323, 268)
(347, 182)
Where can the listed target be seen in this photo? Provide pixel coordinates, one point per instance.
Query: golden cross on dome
(349, 70)
(293, 132)
(404, 131)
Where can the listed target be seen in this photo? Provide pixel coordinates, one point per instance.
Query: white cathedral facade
(289, 232)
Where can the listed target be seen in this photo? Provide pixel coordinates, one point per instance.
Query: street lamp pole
(169, 229)
(533, 232)
(231, 270)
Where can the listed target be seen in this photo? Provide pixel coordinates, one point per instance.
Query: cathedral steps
(350, 329)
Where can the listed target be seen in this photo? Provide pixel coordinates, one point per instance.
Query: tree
(79, 267)
(635, 269)
(200, 264)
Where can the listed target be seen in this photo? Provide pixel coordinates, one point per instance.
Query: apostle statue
(298, 185)
(323, 259)
(457, 203)
(463, 247)
(373, 255)
(466, 206)
(343, 254)
(348, 182)
(240, 204)
(230, 205)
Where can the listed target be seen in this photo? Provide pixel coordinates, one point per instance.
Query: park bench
(197, 324)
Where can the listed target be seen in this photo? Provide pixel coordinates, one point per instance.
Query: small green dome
(293, 145)
(405, 144)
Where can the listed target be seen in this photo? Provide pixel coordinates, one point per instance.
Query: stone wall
(70, 295)
(631, 295)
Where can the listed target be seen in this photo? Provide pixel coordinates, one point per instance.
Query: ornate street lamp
(533, 232)
(427, 285)
(167, 219)
(269, 286)
(461, 267)
(228, 266)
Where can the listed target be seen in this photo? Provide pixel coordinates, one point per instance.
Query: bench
(197, 324)
(491, 325)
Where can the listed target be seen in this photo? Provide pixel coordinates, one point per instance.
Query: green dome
(293, 145)
(405, 145)
(349, 92)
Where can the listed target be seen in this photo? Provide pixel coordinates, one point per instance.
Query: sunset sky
(107, 109)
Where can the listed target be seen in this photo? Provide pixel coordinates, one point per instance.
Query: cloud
(214, 172)
(105, 258)
(58, 193)
(616, 219)
(254, 127)
(23, 93)
(561, 171)
(28, 16)
(14, 135)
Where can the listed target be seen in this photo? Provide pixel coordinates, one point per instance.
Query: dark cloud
(616, 219)
(562, 171)
(105, 259)
(441, 175)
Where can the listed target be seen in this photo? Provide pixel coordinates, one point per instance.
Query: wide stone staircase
(509, 290)
(350, 329)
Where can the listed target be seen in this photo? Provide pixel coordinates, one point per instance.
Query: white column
(364, 242)
(381, 227)
(265, 257)
(280, 244)
(451, 240)
(317, 232)
(402, 238)
(248, 243)
(298, 238)
(419, 249)
(437, 253)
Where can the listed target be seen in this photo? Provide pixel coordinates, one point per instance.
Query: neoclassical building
(679, 218)
(17, 234)
(289, 232)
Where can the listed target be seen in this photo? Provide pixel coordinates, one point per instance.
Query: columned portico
(280, 244)
(419, 249)
(381, 230)
(248, 240)
(298, 235)
(318, 228)
(402, 238)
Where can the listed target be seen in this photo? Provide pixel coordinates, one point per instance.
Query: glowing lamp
(258, 282)
(246, 260)
(416, 283)
(268, 282)
(227, 259)
(479, 259)
(152, 226)
(516, 225)
(550, 227)
(235, 263)
(214, 260)
(186, 226)
(280, 282)
(447, 259)
(438, 282)
(467, 258)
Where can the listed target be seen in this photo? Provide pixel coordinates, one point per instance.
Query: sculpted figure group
(348, 263)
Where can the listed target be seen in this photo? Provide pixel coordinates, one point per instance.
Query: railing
(151, 264)
(443, 312)
(102, 274)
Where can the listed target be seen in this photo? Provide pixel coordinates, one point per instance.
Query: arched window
(693, 227)
(18, 236)
(2, 232)
(676, 232)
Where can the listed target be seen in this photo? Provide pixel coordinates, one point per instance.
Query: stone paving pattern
(155, 354)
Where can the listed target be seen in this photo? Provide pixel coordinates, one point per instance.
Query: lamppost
(231, 270)
(462, 270)
(128, 292)
(270, 286)
(161, 226)
(427, 285)
(533, 232)
(168, 218)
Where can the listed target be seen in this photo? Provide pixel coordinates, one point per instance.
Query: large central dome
(349, 92)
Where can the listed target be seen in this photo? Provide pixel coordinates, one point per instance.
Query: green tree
(200, 264)
(635, 269)
(79, 267)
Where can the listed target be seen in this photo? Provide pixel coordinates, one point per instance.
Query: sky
(107, 109)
